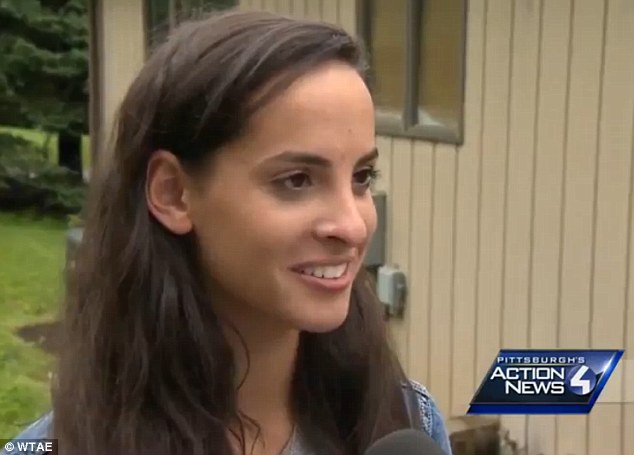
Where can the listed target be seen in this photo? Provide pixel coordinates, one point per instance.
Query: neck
(265, 354)
(264, 377)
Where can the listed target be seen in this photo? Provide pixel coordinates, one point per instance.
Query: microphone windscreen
(405, 442)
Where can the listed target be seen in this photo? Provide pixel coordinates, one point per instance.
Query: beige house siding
(119, 37)
(522, 236)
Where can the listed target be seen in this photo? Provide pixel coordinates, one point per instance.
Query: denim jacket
(431, 420)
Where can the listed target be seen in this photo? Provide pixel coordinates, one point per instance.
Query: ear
(166, 192)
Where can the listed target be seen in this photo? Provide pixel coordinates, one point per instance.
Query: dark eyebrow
(313, 159)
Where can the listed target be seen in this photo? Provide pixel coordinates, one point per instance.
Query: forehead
(327, 110)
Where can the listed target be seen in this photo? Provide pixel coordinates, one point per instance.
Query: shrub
(29, 181)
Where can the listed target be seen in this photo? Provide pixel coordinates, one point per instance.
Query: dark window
(417, 50)
(163, 15)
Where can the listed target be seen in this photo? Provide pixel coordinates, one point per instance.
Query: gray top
(297, 445)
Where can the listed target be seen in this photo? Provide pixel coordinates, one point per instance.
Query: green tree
(44, 70)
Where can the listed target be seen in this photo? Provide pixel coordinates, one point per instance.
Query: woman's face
(285, 213)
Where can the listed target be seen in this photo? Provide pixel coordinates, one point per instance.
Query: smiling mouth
(329, 272)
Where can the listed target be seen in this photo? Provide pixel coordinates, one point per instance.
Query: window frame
(405, 124)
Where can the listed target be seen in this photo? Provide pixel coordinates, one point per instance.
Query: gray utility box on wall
(375, 257)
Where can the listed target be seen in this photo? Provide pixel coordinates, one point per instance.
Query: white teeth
(326, 271)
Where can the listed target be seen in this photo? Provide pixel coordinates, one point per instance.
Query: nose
(349, 219)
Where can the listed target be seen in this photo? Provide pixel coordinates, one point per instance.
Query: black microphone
(405, 442)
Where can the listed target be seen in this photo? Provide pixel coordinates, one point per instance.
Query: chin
(323, 319)
(321, 326)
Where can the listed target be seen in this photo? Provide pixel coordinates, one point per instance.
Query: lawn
(40, 138)
(32, 257)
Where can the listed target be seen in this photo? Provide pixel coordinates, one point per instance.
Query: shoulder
(36, 430)
(432, 419)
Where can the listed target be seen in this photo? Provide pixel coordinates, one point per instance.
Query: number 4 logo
(581, 380)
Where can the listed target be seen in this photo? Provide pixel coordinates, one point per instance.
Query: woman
(218, 305)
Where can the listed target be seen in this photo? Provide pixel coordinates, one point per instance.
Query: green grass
(32, 257)
(40, 138)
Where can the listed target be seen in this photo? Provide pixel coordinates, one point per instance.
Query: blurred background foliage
(44, 159)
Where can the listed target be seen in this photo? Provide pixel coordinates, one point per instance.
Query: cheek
(246, 237)
(234, 235)
(241, 256)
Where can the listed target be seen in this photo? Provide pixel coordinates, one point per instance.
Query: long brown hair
(144, 366)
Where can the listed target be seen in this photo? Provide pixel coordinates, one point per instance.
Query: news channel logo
(544, 381)
(28, 447)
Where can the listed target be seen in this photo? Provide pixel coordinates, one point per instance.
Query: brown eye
(296, 181)
(365, 177)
